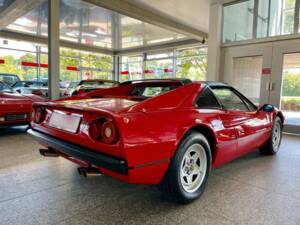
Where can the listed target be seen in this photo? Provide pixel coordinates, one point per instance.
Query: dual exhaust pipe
(83, 171)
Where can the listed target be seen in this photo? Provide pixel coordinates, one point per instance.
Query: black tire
(171, 185)
(270, 148)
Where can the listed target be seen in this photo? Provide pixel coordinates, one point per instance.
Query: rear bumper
(96, 159)
(150, 173)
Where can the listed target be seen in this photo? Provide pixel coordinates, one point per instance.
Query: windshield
(4, 87)
(96, 84)
(9, 79)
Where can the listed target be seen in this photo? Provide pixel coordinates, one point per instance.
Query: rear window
(151, 91)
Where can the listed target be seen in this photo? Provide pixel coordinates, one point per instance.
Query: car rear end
(15, 112)
(9, 118)
(89, 137)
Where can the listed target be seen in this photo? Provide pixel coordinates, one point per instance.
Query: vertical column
(144, 65)
(174, 62)
(116, 44)
(214, 42)
(38, 61)
(255, 16)
(53, 48)
(296, 18)
(116, 68)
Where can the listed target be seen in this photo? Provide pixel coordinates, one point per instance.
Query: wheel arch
(206, 131)
(280, 115)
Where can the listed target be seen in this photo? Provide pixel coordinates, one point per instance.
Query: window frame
(207, 107)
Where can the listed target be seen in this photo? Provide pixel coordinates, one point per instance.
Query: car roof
(183, 81)
(215, 84)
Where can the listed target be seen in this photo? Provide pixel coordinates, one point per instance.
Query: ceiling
(85, 23)
(194, 13)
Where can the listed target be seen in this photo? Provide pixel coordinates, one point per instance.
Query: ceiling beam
(17, 9)
(43, 40)
(143, 13)
(165, 46)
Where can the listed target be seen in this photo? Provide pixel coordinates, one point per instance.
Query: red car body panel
(151, 130)
(12, 104)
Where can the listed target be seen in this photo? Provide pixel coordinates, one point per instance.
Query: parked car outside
(9, 79)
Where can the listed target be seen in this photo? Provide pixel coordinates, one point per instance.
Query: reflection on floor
(292, 118)
(252, 190)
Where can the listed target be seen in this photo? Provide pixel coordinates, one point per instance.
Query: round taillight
(109, 133)
(95, 130)
(39, 115)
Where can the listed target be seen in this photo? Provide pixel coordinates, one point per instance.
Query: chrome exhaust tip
(49, 153)
(89, 171)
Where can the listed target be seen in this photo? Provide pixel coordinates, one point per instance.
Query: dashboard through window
(229, 99)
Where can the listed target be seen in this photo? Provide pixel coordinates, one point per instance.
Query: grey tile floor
(252, 190)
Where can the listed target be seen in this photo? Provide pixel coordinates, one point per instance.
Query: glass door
(290, 92)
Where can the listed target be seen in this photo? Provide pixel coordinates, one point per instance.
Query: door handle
(270, 86)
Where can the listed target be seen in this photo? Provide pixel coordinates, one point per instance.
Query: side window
(229, 99)
(207, 99)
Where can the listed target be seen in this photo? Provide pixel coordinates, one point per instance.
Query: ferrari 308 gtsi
(165, 132)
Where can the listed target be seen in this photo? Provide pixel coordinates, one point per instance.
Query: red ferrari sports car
(15, 109)
(166, 132)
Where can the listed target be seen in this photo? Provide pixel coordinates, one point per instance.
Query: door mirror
(267, 108)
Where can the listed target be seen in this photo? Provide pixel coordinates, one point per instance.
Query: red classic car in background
(15, 109)
(85, 86)
(166, 132)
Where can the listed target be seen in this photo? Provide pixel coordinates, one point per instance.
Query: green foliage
(291, 84)
(289, 100)
(192, 64)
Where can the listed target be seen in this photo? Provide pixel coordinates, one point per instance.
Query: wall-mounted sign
(266, 71)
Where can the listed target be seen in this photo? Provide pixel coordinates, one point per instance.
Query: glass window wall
(238, 29)
(262, 18)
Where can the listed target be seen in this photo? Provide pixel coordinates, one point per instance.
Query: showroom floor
(35, 190)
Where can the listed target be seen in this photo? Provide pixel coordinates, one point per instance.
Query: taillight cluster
(104, 130)
(38, 115)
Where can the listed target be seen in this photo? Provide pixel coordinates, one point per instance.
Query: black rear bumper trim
(78, 152)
